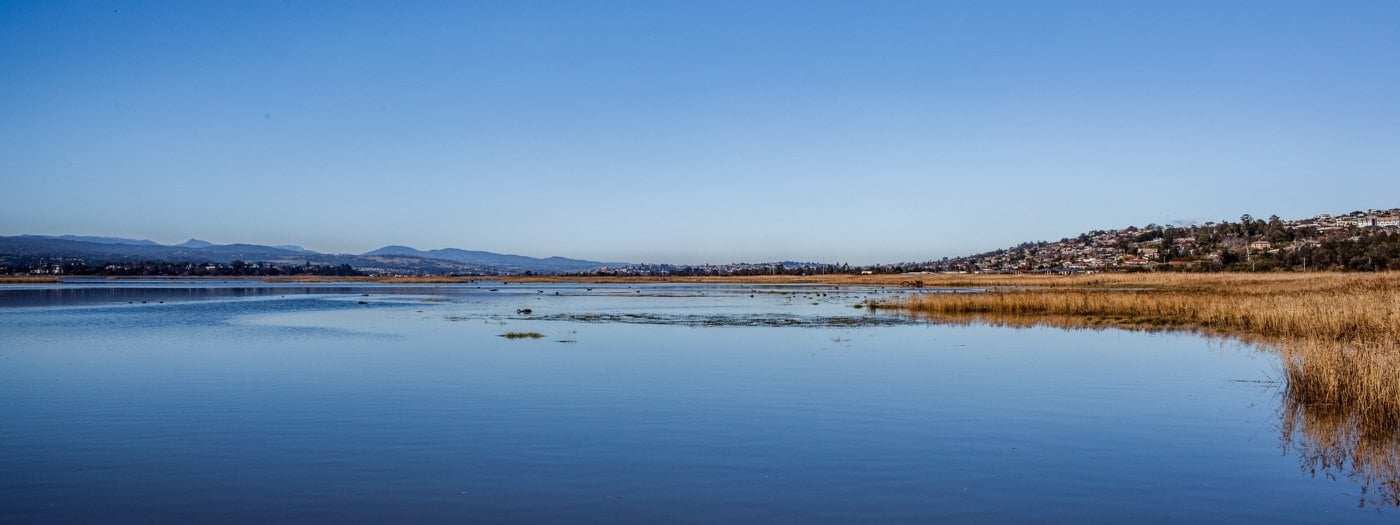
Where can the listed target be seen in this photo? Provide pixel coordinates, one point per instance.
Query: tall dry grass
(1339, 307)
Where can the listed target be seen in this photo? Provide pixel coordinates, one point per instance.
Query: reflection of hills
(1340, 402)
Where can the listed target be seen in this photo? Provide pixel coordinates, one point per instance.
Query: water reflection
(98, 292)
(1332, 441)
(1339, 406)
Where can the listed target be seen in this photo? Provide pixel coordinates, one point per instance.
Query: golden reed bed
(1353, 307)
(1338, 336)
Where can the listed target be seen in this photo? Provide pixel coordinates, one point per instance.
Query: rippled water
(238, 402)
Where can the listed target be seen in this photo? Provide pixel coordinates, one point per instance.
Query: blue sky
(695, 132)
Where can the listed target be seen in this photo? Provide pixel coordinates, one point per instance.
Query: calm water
(179, 402)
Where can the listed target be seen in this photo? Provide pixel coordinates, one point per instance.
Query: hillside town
(1357, 241)
(1368, 240)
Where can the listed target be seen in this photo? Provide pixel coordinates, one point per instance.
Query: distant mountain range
(29, 249)
(513, 263)
(101, 240)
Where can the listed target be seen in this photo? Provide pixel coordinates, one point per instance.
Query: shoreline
(1104, 281)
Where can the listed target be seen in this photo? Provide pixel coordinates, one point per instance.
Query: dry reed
(1334, 307)
(28, 279)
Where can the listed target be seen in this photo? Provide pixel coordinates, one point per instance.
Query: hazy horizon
(689, 133)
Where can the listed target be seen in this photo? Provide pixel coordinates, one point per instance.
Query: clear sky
(689, 132)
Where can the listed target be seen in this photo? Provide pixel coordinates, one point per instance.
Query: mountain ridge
(98, 239)
(392, 259)
(552, 264)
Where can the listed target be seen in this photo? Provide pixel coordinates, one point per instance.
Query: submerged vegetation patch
(774, 320)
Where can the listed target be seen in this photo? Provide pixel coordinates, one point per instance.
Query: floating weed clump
(522, 335)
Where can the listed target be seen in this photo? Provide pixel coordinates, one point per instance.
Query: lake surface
(245, 402)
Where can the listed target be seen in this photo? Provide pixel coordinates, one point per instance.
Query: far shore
(1102, 280)
(1166, 280)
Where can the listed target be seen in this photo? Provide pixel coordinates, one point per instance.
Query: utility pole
(1248, 253)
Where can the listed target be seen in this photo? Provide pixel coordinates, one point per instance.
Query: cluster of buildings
(1208, 245)
(1369, 219)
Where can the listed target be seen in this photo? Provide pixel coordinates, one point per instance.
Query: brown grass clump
(28, 279)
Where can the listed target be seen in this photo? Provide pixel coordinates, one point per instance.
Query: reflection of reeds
(1331, 440)
(1338, 336)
